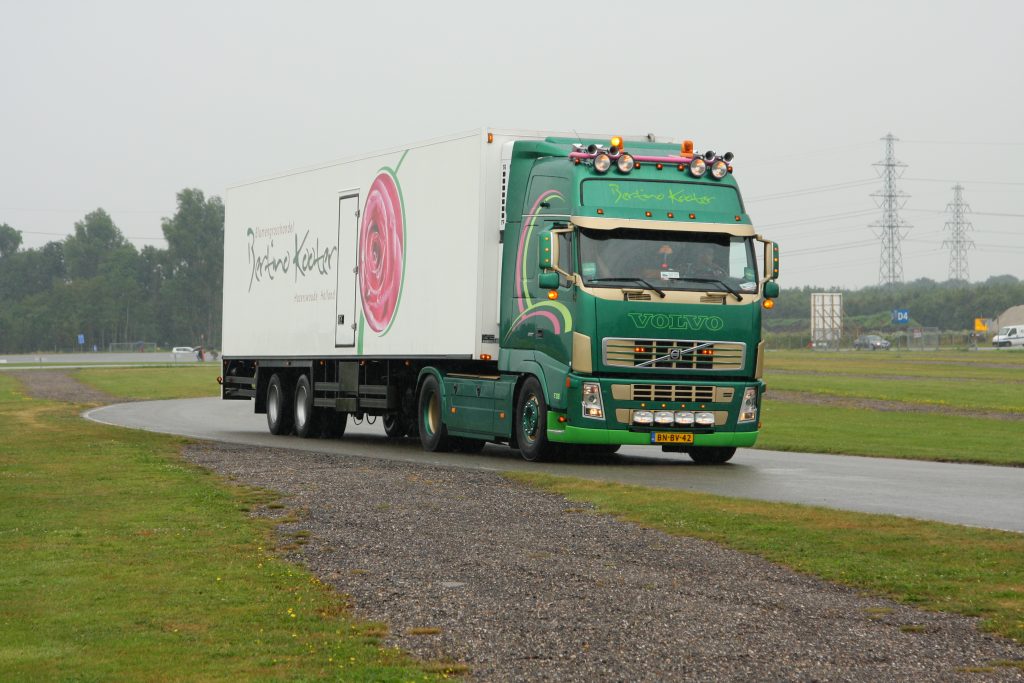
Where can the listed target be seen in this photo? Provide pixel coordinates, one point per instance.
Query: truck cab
(632, 299)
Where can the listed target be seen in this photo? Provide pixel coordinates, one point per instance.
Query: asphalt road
(973, 495)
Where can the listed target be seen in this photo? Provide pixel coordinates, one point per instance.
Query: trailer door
(345, 295)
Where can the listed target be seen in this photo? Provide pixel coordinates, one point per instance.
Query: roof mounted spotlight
(625, 163)
(728, 157)
(602, 162)
(698, 167)
(709, 156)
(719, 169)
(592, 148)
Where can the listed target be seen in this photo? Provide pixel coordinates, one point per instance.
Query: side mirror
(548, 250)
(549, 280)
(771, 260)
(771, 289)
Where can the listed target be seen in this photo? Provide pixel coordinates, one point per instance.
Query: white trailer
(425, 248)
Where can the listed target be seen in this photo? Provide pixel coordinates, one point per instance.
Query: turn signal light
(552, 294)
(769, 303)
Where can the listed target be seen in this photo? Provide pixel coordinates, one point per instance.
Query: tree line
(95, 283)
(949, 306)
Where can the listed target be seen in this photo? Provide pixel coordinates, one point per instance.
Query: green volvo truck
(550, 292)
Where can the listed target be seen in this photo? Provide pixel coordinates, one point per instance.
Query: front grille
(674, 354)
(672, 393)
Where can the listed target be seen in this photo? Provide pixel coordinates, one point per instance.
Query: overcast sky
(122, 104)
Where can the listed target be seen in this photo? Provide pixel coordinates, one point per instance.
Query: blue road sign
(81, 340)
(900, 316)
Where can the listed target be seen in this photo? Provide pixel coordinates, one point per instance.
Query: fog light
(593, 405)
(748, 408)
(625, 163)
(664, 417)
(705, 419)
(684, 419)
(643, 417)
(602, 162)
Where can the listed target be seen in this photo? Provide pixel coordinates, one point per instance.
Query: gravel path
(58, 385)
(522, 585)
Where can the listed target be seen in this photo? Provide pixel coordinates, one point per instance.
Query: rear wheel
(711, 455)
(432, 429)
(279, 406)
(305, 414)
(531, 422)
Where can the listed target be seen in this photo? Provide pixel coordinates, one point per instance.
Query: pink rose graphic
(381, 251)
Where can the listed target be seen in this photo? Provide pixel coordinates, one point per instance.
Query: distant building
(1011, 316)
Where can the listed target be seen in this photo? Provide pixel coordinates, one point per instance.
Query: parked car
(872, 342)
(183, 349)
(1011, 335)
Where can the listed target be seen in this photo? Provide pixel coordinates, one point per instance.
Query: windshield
(666, 259)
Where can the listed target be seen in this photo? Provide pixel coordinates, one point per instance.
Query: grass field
(940, 567)
(956, 406)
(120, 561)
(144, 383)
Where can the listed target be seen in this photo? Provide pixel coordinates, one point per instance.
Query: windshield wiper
(714, 281)
(645, 283)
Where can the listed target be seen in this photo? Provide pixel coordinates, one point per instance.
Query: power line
(818, 219)
(968, 182)
(810, 190)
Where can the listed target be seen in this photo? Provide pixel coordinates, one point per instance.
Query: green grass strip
(150, 384)
(939, 567)
(890, 434)
(121, 561)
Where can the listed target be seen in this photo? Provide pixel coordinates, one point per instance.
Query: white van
(1011, 335)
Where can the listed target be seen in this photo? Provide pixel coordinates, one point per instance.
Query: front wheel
(279, 406)
(531, 422)
(712, 455)
(433, 431)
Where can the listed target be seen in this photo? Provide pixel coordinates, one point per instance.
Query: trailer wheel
(305, 414)
(332, 423)
(711, 455)
(531, 422)
(396, 425)
(433, 430)
(279, 407)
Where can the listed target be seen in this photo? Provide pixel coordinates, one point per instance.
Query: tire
(306, 422)
(396, 426)
(279, 406)
(433, 431)
(531, 423)
(712, 455)
(332, 423)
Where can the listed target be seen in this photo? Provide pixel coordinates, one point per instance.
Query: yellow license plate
(671, 437)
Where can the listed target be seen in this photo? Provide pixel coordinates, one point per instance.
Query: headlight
(602, 162)
(643, 417)
(705, 419)
(697, 167)
(748, 408)
(684, 419)
(664, 417)
(719, 169)
(625, 163)
(593, 405)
